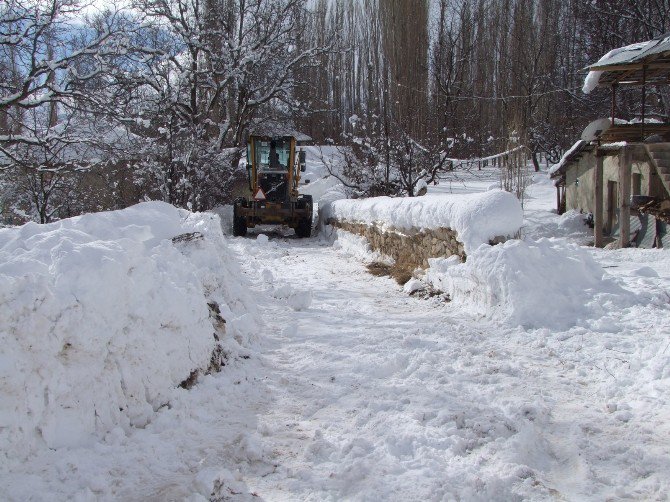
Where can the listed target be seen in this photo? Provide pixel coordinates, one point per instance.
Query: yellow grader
(273, 168)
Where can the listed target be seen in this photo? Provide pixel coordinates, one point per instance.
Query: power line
(491, 98)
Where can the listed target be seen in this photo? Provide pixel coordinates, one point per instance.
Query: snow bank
(546, 283)
(477, 218)
(102, 317)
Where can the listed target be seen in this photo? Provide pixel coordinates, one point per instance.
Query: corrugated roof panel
(625, 65)
(634, 53)
(662, 44)
(622, 55)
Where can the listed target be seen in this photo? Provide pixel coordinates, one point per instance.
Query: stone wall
(409, 249)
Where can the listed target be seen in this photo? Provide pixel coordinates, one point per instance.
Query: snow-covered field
(546, 378)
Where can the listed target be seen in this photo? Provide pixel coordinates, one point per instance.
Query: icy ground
(348, 388)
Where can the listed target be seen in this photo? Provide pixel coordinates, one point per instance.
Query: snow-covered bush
(394, 165)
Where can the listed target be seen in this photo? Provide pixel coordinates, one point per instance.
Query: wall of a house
(580, 185)
(655, 186)
(640, 165)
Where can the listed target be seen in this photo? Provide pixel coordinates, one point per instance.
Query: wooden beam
(625, 168)
(651, 75)
(598, 210)
(623, 75)
(628, 67)
(657, 80)
(654, 66)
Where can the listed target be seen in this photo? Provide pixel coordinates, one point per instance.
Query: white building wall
(580, 185)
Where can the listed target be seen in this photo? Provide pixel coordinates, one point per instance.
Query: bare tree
(44, 129)
(222, 64)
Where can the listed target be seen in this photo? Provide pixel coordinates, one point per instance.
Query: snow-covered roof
(626, 65)
(572, 154)
(612, 146)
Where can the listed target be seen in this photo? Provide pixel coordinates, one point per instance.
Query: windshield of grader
(272, 155)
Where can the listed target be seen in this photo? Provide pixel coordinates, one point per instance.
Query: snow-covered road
(376, 395)
(335, 385)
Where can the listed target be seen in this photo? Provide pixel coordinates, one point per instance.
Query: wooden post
(613, 102)
(625, 160)
(644, 97)
(558, 200)
(612, 195)
(564, 198)
(598, 210)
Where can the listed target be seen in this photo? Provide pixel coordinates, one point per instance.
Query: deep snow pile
(476, 218)
(530, 283)
(102, 317)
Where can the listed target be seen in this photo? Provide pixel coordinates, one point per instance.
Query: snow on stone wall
(102, 317)
(476, 218)
(536, 284)
(411, 250)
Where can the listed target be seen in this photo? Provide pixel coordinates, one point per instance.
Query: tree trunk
(536, 161)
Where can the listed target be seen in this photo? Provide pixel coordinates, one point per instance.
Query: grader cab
(273, 168)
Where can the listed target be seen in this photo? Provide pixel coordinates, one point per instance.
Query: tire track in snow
(377, 395)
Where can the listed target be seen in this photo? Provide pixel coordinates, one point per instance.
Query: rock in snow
(296, 299)
(300, 300)
(412, 286)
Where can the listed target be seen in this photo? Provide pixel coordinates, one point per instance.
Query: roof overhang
(572, 155)
(275, 129)
(645, 63)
